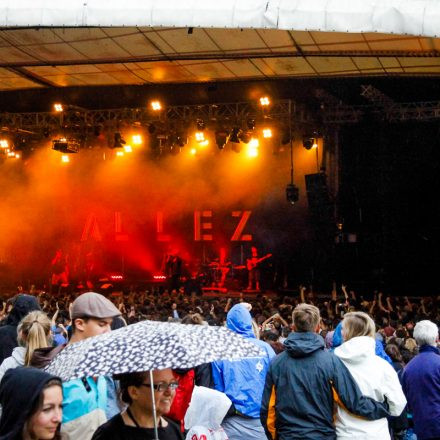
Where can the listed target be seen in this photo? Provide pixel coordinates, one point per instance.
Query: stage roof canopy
(92, 43)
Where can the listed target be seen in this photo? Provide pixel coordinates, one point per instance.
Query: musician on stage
(59, 271)
(253, 268)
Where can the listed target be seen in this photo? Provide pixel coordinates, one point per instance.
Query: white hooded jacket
(15, 360)
(377, 379)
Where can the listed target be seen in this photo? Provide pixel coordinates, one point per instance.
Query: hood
(239, 320)
(19, 390)
(18, 354)
(23, 305)
(356, 350)
(302, 344)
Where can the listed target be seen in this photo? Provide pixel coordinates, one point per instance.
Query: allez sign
(203, 227)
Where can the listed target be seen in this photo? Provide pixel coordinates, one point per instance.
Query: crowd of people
(336, 366)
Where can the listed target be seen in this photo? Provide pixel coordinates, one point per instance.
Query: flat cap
(93, 305)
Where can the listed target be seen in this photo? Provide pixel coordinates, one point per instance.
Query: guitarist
(254, 271)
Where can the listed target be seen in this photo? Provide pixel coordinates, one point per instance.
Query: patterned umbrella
(150, 345)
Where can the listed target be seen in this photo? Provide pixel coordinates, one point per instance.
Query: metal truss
(216, 115)
(212, 114)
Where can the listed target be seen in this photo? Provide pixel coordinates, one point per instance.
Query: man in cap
(85, 400)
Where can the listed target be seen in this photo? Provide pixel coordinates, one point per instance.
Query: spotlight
(11, 154)
(244, 137)
(4, 143)
(204, 143)
(267, 133)
(119, 141)
(221, 137)
(234, 135)
(65, 158)
(292, 193)
(251, 124)
(200, 136)
(253, 147)
(156, 106)
(200, 124)
(17, 155)
(136, 139)
(264, 101)
(58, 107)
(309, 143)
(65, 145)
(128, 149)
(181, 140)
(119, 153)
(193, 151)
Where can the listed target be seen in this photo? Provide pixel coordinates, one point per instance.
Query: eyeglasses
(162, 386)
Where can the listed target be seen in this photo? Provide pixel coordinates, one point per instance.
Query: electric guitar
(252, 263)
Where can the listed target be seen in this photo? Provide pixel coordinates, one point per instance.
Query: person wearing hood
(243, 380)
(33, 334)
(304, 383)
(23, 305)
(375, 377)
(32, 405)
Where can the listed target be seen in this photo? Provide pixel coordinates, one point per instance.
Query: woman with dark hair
(137, 421)
(32, 405)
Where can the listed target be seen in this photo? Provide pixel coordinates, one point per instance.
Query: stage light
(58, 107)
(4, 143)
(65, 158)
(65, 145)
(118, 141)
(221, 137)
(253, 147)
(193, 151)
(128, 149)
(156, 105)
(264, 101)
(267, 133)
(251, 124)
(234, 135)
(11, 154)
(200, 136)
(201, 124)
(309, 143)
(244, 137)
(17, 155)
(136, 139)
(292, 193)
(315, 143)
(119, 153)
(204, 143)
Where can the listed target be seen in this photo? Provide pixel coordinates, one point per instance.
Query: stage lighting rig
(221, 138)
(118, 140)
(200, 124)
(234, 135)
(251, 124)
(64, 145)
(292, 193)
(267, 133)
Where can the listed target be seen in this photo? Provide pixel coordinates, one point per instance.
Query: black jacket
(302, 386)
(23, 305)
(20, 390)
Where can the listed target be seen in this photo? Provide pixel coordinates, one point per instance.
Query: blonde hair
(34, 332)
(358, 324)
(305, 317)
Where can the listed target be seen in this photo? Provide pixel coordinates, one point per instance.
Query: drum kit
(215, 273)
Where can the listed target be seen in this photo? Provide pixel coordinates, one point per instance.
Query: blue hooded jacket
(337, 341)
(243, 380)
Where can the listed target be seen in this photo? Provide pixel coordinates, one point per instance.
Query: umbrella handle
(153, 401)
